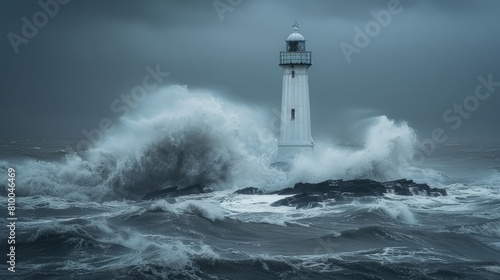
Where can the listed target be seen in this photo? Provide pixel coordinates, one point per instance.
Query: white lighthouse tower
(295, 131)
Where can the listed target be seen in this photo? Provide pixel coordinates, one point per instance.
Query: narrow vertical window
(293, 114)
(293, 74)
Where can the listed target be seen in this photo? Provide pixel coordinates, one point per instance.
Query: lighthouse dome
(295, 36)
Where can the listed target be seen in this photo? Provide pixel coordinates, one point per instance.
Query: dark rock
(358, 188)
(399, 190)
(408, 187)
(283, 191)
(309, 205)
(440, 192)
(249, 190)
(308, 195)
(303, 200)
(176, 192)
(335, 195)
(362, 187)
(399, 182)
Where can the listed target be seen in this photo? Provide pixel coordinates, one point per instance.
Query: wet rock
(249, 190)
(408, 187)
(307, 195)
(362, 187)
(303, 200)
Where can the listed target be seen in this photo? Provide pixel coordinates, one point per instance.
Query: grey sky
(424, 61)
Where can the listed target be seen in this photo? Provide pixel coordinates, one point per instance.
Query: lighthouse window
(296, 46)
(293, 46)
(301, 46)
(293, 114)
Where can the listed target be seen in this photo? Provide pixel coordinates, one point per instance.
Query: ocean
(80, 214)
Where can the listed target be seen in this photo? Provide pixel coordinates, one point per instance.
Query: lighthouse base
(287, 153)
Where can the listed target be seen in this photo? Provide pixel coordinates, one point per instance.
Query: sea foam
(179, 137)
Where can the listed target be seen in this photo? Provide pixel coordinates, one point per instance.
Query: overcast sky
(427, 58)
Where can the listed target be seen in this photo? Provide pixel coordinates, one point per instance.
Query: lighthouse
(295, 130)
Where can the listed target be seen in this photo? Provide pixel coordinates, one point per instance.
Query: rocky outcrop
(249, 190)
(303, 200)
(364, 187)
(359, 187)
(308, 195)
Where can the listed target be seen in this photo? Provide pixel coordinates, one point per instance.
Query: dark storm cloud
(427, 59)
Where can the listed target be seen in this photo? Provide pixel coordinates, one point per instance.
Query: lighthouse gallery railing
(287, 58)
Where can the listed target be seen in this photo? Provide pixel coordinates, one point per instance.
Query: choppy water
(80, 216)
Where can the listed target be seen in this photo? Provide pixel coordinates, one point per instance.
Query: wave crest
(182, 138)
